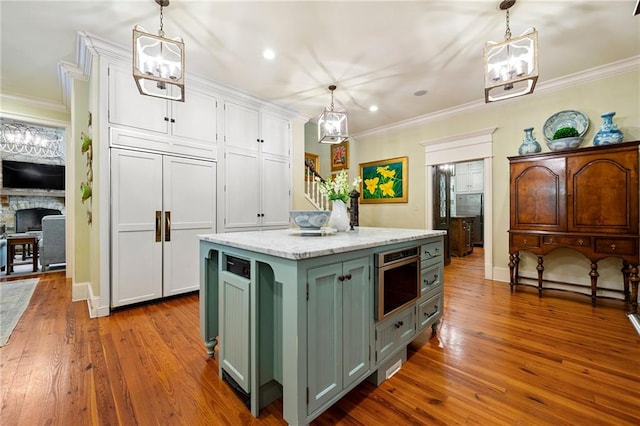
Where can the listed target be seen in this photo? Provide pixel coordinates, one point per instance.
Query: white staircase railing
(312, 191)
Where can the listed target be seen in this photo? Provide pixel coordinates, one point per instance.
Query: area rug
(14, 299)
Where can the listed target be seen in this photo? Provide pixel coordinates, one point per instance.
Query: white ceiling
(378, 52)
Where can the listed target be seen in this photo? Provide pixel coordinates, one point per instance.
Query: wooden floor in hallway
(498, 358)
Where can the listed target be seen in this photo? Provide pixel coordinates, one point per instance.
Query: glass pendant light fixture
(510, 67)
(30, 140)
(333, 125)
(158, 62)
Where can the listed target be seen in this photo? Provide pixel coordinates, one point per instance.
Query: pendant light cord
(161, 30)
(507, 33)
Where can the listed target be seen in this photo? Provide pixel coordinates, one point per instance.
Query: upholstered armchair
(52, 244)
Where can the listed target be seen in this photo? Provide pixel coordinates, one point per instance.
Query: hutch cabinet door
(602, 192)
(538, 191)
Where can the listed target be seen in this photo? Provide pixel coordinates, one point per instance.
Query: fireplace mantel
(32, 193)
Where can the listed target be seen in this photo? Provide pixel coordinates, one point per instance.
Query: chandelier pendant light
(32, 141)
(333, 125)
(158, 62)
(510, 67)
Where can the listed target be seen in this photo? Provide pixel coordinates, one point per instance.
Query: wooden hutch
(585, 200)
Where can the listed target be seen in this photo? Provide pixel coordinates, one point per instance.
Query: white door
(136, 243)
(189, 201)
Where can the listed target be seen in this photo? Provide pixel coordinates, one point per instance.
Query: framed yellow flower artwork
(384, 181)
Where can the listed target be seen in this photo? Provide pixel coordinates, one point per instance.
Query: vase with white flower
(338, 191)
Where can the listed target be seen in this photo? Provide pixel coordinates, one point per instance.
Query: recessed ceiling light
(268, 54)
(373, 108)
(420, 92)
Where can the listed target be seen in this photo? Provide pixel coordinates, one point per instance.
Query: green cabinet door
(234, 333)
(338, 324)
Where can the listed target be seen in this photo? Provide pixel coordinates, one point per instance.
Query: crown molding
(598, 73)
(32, 102)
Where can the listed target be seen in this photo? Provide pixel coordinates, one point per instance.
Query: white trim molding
(80, 291)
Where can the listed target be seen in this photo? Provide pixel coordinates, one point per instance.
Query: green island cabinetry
(294, 316)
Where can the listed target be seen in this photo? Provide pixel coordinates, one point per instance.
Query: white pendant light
(333, 126)
(158, 62)
(30, 140)
(510, 67)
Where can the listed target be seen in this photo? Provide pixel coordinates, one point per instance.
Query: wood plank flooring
(497, 359)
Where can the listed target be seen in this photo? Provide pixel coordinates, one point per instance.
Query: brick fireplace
(14, 200)
(15, 203)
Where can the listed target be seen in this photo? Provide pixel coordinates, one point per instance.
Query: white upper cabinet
(257, 164)
(275, 135)
(188, 127)
(470, 177)
(241, 127)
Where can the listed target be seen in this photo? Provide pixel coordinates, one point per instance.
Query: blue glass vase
(609, 132)
(529, 145)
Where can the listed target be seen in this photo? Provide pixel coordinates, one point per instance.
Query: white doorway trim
(454, 149)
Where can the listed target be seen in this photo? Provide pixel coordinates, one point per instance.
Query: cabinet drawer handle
(173, 120)
(580, 242)
(427, 314)
(613, 247)
(524, 242)
(431, 256)
(347, 277)
(551, 240)
(341, 278)
(435, 278)
(166, 119)
(399, 324)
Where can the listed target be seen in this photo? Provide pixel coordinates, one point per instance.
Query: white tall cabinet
(159, 205)
(257, 164)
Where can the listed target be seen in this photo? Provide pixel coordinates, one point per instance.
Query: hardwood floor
(498, 358)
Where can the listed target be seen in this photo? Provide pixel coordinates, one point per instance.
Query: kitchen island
(301, 317)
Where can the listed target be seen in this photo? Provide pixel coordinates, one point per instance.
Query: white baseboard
(93, 304)
(79, 291)
(501, 274)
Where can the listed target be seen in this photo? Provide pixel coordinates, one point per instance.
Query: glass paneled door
(442, 202)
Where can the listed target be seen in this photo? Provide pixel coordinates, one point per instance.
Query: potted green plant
(565, 138)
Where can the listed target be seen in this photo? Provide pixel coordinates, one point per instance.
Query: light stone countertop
(290, 244)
